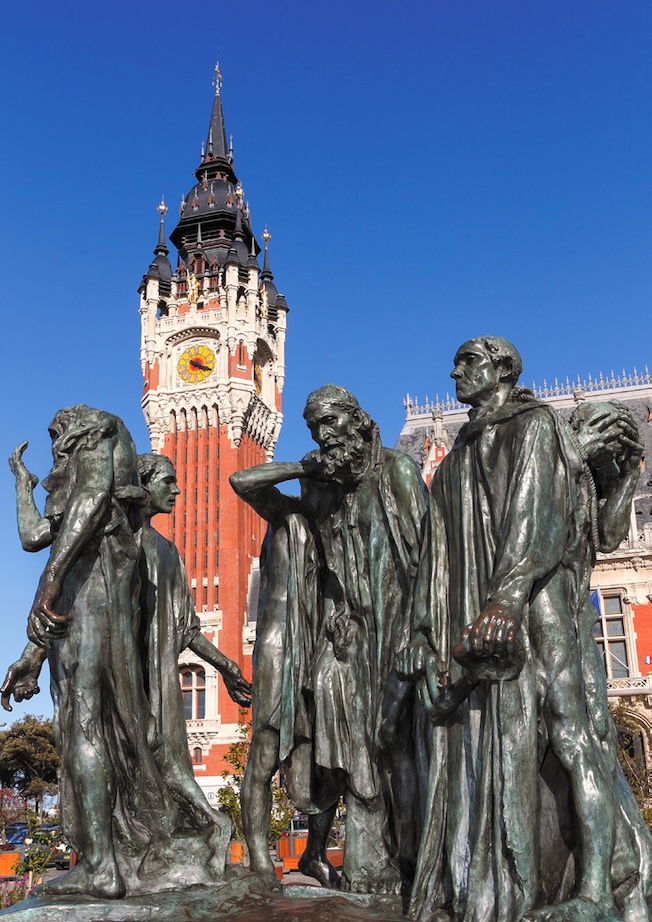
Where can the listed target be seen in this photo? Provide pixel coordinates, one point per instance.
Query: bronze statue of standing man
(348, 564)
(503, 613)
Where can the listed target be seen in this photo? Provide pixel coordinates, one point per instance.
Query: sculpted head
(72, 423)
(72, 430)
(342, 429)
(486, 369)
(159, 478)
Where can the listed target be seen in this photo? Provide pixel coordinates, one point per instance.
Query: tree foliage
(228, 796)
(28, 759)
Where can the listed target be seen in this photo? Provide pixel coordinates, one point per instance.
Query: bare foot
(321, 869)
(106, 883)
(271, 881)
(577, 910)
(261, 864)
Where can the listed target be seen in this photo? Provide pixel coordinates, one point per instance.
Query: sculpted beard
(347, 463)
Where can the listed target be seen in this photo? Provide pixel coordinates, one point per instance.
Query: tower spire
(161, 247)
(268, 290)
(216, 138)
(211, 201)
(267, 272)
(160, 268)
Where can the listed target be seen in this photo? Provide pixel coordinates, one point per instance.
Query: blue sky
(428, 170)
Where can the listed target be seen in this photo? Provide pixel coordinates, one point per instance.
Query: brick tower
(212, 354)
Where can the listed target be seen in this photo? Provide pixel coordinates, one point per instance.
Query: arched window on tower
(197, 756)
(193, 692)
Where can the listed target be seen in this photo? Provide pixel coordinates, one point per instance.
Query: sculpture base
(243, 900)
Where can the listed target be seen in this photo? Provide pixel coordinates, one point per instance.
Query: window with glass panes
(193, 692)
(609, 632)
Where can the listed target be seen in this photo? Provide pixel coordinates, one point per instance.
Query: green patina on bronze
(504, 586)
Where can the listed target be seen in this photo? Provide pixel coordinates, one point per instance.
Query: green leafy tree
(228, 796)
(28, 759)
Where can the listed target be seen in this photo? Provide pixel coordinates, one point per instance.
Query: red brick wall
(219, 529)
(643, 629)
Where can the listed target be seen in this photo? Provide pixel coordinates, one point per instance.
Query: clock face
(196, 363)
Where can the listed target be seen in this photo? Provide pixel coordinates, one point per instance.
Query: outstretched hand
(21, 681)
(17, 465)
(237, 686)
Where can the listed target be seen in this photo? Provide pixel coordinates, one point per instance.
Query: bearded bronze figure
(339, 569)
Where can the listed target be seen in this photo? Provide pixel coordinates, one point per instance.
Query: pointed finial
(267, 272)
(161, 248)
(202, 149)
(231, 146)
(217, 79)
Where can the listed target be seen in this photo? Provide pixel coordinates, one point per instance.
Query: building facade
(213, 360)
(622, 581)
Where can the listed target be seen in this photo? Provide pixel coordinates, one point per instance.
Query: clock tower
(213, 359)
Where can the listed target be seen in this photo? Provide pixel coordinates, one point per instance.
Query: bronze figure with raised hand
(327, 704)
(166, 596)
(129, 803)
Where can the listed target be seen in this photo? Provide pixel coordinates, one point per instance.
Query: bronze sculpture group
(111, 613)
(430, 659)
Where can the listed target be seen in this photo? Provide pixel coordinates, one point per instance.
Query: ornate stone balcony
(634, 685)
